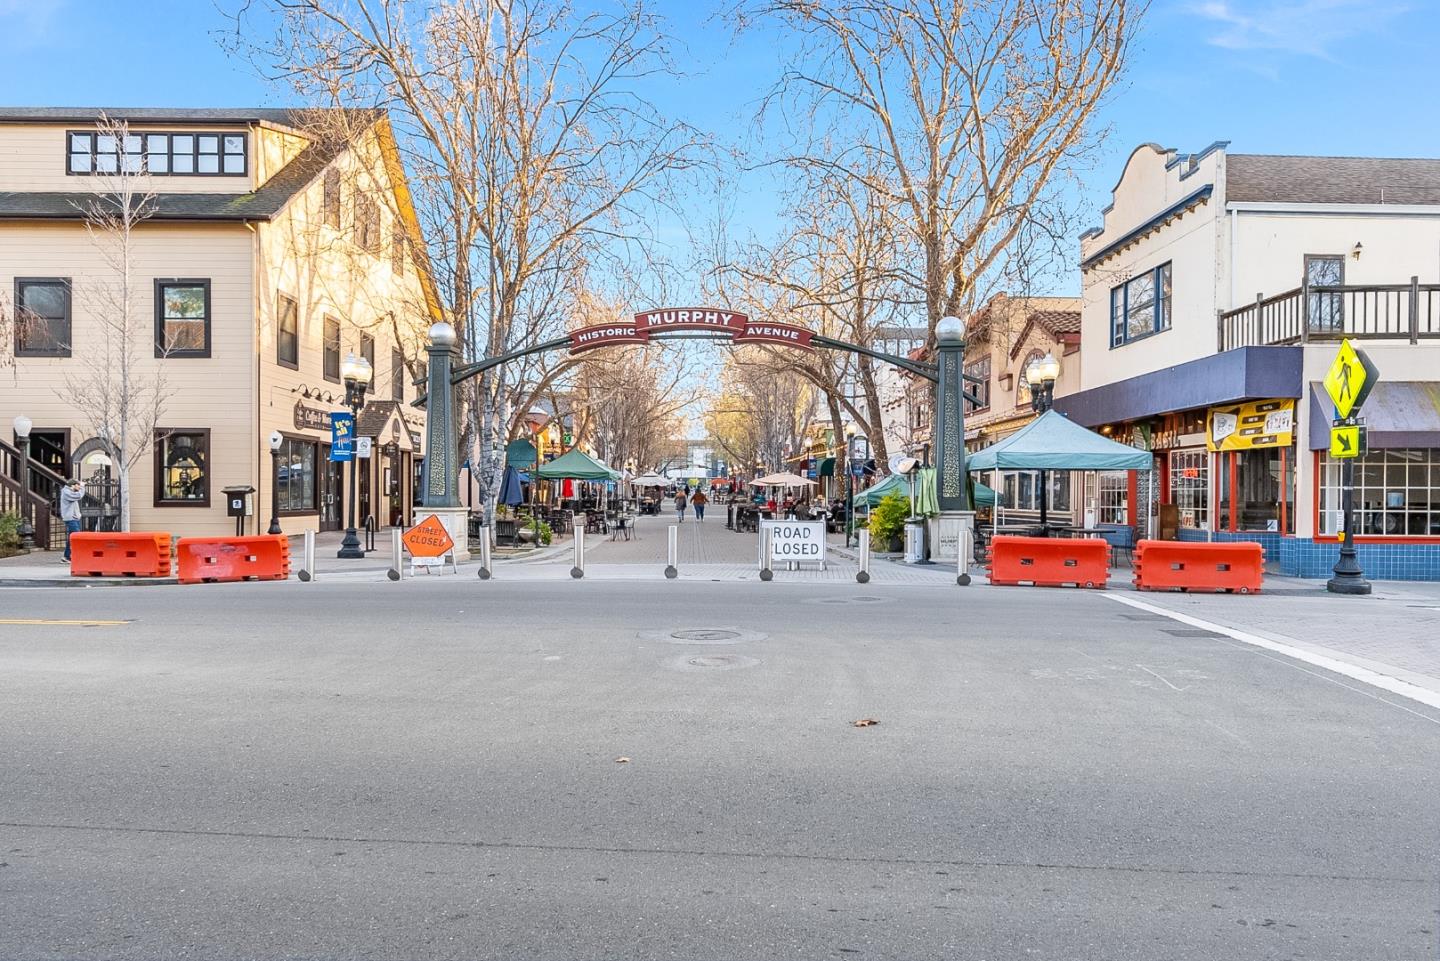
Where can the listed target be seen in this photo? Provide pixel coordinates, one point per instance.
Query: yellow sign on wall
(1255, 424)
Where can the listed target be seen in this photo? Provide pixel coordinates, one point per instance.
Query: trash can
(914, 540)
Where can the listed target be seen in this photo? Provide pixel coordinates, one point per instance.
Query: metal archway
(441, 478)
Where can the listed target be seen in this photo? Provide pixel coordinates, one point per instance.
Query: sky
(1348, 77)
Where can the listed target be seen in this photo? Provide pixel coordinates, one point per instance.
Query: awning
(1398, 413)
(827, 468)
(1050, 442)
(520, 453)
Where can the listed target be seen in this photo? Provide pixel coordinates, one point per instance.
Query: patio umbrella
(784, 479)
(510, 492)
(927, 502)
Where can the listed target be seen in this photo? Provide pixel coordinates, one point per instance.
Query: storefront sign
(712, 320)
(1257, 424)
(342, 437)
(311, 418)
(796, 540)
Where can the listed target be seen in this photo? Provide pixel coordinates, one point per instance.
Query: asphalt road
(430, 770)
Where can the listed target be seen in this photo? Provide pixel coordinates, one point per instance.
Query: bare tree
(630, 402)
(120, 396)
(531, 158)
(965, 114)
(762, 411)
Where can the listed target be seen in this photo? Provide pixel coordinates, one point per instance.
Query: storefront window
(182, 475)
(1190, 486)
(1113, 497)
(295, 475)
(1397, 492)
(1021, 490)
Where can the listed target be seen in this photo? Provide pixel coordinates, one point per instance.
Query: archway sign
(441, 486)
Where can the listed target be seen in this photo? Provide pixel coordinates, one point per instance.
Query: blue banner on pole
(342, 437)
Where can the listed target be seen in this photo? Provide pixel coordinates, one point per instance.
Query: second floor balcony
(1409, 311)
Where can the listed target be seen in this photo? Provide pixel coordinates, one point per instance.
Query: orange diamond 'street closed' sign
(428, 539)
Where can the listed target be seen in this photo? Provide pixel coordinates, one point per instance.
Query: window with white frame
(1397, 492)
(1140, 306)
(1022, 490)
(1112, 503)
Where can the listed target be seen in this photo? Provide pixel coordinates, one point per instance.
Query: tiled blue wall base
(1299, 557)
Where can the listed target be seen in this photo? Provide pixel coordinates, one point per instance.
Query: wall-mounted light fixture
(1357, 250)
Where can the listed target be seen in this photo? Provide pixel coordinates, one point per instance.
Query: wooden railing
(30, 484)
(1366, 311)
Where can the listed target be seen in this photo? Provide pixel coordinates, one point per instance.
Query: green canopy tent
(575, 464)
(897, 484)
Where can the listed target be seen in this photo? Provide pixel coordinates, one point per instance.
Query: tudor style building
(267, 254)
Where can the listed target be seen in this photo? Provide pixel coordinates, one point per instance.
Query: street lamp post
(276, 439)
(850, 431)
(1041, 375)
(356, 372)
(22, 425)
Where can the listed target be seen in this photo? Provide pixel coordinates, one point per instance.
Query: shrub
(887, 518)
(9, 534)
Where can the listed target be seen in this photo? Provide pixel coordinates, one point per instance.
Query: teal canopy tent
(575, 465)
(1051, 442)
(520, 453)
(896, 484)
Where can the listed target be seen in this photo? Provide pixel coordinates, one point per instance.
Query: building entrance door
(332, 492)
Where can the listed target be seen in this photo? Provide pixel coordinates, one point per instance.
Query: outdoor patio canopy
(575, 465)
(1051, 442)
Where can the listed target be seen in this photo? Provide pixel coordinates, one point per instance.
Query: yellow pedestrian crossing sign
(1350, 379)
(1347, 440)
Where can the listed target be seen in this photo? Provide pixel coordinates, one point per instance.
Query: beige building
(268, 253)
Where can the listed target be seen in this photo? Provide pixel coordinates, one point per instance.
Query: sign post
(1348, 382)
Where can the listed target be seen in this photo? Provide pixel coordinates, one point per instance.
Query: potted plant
(887, 522)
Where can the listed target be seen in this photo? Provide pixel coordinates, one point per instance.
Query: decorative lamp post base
(350, 548)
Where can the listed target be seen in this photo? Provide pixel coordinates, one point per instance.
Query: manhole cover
(711, 662)
(705, 636)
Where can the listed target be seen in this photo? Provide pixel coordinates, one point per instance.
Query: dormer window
(160, 154)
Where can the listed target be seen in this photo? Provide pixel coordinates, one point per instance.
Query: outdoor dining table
(1077, 531)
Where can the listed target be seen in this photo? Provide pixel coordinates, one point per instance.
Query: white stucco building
(1215, 293)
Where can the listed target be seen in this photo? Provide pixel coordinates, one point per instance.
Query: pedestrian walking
(698, 502)
(680, 505)
(70, 497)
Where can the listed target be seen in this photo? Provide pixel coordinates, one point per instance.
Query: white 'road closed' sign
(798, 541)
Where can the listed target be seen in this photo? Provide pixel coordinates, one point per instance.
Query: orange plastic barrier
(1049, 561)
(262, 558)
(1189, 566)
(120, 554)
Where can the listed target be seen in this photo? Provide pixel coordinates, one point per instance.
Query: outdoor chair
(1120, 537)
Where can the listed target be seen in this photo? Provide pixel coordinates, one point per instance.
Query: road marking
(1391, 684)
(1162, 680)
(55, 622)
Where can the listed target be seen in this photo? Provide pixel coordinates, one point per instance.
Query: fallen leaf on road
(865, 722)
(622, 760)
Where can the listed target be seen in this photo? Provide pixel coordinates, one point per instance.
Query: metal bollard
(485, 554)
(578, 571)
(672, 552)
(863, 576)
(967, 551)
(307, 558)
(766, 573)
(397, 555)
